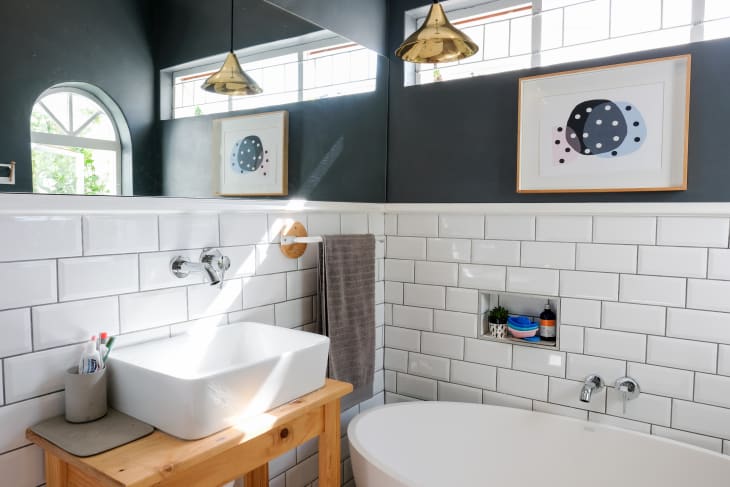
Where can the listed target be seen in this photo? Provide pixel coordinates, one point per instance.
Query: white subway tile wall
(644, 296)
(62, 281)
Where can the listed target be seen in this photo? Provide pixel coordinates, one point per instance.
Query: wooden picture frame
(580, 132)
(251, 155)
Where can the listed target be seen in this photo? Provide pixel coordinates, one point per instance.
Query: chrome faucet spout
(212, 263)
(592, 384)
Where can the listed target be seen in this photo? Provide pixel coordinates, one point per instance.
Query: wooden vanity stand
(240, 451)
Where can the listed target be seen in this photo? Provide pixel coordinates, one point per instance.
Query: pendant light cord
(232, 25)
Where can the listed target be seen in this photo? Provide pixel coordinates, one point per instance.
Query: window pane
(551, 29)
(520, 36)
(586, 22)
(717, 9)
(676, 12)
(101, 128)
(631, 17)
(496, 40)
(477, 35)
(73, 170)
(551, 4)
(41, 122)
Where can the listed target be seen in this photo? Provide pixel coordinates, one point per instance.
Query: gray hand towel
(347, 308)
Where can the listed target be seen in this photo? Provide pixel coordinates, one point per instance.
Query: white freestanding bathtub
(442, 444)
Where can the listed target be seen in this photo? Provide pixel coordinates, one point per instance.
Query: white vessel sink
(192, 386)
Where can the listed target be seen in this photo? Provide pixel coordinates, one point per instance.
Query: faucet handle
(224, 263)
(628, 388)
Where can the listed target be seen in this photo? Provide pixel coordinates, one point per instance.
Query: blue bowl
(522, 323)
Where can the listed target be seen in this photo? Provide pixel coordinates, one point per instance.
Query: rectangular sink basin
(191, 386)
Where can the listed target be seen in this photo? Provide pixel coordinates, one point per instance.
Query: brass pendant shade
(436, 41)
(231, 80)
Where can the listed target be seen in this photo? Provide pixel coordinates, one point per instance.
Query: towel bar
(10, 178)
(294, 240)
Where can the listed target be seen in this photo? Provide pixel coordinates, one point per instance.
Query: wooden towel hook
(294, 250)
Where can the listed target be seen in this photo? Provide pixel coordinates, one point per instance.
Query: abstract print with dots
(601, 128)
(249, 155)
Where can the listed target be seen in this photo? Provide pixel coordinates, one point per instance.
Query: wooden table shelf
(242, 450)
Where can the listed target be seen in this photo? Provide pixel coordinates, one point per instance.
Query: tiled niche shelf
(518, 304)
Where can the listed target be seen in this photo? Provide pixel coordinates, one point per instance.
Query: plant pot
(497, 330)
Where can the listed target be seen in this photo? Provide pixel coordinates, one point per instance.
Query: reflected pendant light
(230, 79)
(436, 41)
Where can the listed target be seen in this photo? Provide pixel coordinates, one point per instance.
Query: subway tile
(627, 424)
(263, 314)
(458, 393)
(15, 329)
(673, 261)
(442, 345)
(399, 270)
(488, 352)
(546, 362)
(390, 381)
(61, 324)
(567, 393)
(304, 473)
(660, 291)
(714, 444)
(425, 296)
(564, 228)
(581, 366)
(151, 309)
(723, 360)
(558, 410)
(188, 231)
(394, 292)
(23, 467)
(495, 252)
(354, 223)
(506, 400)
(712, 389)
(89, 277)
(15, 418)
(615, 344)
(243, 228)
(403, 339)
(388, 314)
(379, 336)
(295, 312)
(414, 318)
(243, 261)
(206, 300)
(391, 224)
(637, 318)
(522, 384)
(119, 234)
(39, 237)
(418, 387)
(282, 463)
(510, 227)
(38, 373)
(625, 230)
(464, 300)
(396, 360)
(406, 248)
(478, 276)
(154, 270)
(262, 290)
(428, 366)
(709, 295)
(548, 255)
(701, 418)
(440, 273)
(693, 231)
(418, 225)
(698, 325)
(606, 258)
(392, 398)
(461, 226)
(682, 354)
(571, 338)
(581, 312)
(533, 281)
(27, 283)
(279, 222)
(475, 375)
(376, 223)
(589, 285)
(301, 283)
(448, 250)
(663, 381)
(270, 260)
(718, 266)
(454, 323)
(323, 223)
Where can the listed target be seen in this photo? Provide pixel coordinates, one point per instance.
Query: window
(75, 144)
(518, 34)
(308, 68)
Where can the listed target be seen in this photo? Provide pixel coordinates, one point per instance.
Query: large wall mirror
(106, 98)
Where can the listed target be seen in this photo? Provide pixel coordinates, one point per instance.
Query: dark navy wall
(107, 44)
(457, 141)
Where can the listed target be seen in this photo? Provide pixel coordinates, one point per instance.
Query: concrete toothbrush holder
(86, 395)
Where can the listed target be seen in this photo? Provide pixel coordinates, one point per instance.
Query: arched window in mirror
(76, 146)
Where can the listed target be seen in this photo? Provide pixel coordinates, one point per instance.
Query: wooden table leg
(258, 477)
(56, 471)
(329, 446)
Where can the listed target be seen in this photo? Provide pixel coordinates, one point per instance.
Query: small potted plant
(498, 321)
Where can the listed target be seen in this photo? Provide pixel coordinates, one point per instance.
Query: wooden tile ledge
(242, 450)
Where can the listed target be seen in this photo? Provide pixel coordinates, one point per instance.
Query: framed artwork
(251, 154)
(608, 129)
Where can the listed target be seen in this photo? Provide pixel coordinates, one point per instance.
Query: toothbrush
(109, 345)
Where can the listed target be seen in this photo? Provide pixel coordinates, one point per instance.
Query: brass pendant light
(436, 41)
(231, 79)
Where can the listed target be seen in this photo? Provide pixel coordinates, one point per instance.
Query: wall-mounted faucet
(628, 388)
(592, 384)
(212, 262)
